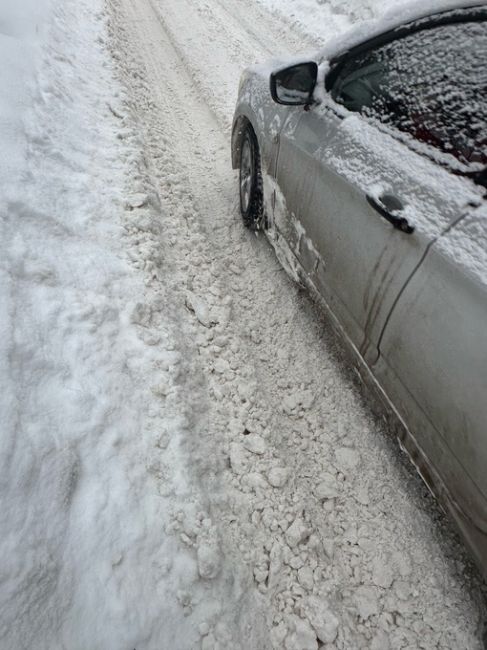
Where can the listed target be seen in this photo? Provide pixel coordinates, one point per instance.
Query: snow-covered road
(310, 493)
(217, 478)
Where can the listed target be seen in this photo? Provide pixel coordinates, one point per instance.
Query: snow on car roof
(392, 19)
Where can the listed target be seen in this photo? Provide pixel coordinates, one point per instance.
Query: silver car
(366, 167)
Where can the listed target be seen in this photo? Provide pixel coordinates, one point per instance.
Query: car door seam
(450, 226)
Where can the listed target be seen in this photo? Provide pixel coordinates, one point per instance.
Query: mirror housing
(294, 86)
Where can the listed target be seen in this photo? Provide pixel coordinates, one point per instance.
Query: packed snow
(187, 461)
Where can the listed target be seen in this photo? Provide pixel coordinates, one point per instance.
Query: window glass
(431, 84)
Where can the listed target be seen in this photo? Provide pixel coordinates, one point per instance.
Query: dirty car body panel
(385, 220)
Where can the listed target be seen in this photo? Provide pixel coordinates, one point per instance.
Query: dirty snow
(187, 462)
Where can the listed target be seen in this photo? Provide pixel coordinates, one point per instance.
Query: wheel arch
(240, 125)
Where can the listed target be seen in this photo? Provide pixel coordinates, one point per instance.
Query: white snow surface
(87, 363)
(326, 19)
(186, 460)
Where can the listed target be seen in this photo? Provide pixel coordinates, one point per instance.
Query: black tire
(250, 182)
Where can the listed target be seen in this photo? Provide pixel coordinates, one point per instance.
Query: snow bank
(21, 32)
(87, 360)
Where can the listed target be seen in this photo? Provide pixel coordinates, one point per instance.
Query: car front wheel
(251, 193)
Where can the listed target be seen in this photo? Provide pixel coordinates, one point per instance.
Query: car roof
(391, 20)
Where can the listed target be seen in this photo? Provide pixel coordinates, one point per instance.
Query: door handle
(388, 206)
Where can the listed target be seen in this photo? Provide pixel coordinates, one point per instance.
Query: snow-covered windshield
(431, 84)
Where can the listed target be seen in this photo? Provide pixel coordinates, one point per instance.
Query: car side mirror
(294, 86)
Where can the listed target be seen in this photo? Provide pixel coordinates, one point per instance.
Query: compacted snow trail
(319, 534)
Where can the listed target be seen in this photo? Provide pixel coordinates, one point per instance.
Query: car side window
(431, 84)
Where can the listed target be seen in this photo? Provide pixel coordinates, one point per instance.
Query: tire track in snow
(204, 34)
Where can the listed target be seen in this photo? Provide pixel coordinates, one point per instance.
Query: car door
(433, 360)
(364, 202)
